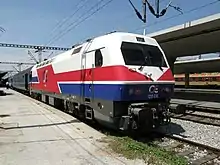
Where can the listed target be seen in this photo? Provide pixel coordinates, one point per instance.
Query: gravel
(200, 133)
(174, 145)
(166, 142)
(199, 154)
(184, 148)
(213, 162)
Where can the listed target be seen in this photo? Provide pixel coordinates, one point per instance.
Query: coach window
(98, 58)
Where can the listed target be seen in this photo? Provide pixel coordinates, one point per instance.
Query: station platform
(207, 95)
(197, 104)
(32, 132)
(212, 91)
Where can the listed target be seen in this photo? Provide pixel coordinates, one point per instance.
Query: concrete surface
(198, 104)
(197, 66)
(198, 95)
(198, 91)
(34, 133)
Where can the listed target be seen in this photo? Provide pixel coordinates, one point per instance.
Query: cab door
(96, 60)
(91, 61)
(83, 72)
(82, 77)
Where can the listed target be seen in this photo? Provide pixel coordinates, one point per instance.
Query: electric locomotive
(121, 80)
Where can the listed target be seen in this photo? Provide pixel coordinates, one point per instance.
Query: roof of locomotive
(120, 36)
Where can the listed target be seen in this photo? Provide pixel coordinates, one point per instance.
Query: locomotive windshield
(142, 55)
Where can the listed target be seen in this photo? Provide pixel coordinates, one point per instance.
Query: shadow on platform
(40, 125)
(5, 115)
(4, 93)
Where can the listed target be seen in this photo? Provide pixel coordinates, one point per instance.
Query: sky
(35, 22)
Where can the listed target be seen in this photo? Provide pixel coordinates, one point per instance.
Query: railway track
(198, 118)
(196, 153)
(202, 115)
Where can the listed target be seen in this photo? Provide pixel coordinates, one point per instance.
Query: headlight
(131, 91)
(166, 90)
(134, 91)
(137, 92)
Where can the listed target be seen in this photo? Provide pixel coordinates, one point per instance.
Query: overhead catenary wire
(63, 21)
(136, 11)
(189, 11)
(156, 13)
(74, 24)
(2, 29)
(131, 14)
(161, 13)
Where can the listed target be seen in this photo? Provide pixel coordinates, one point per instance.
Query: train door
(26, 81)
(90, 76)
(85, 85)
(87, 77)
(83, 75)
(98, 62)
(94, 60)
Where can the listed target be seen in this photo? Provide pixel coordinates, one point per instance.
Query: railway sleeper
(185, 153)
(204, 159)
(183, 108)
(178, 108)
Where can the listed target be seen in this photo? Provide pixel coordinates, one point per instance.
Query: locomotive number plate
(153, 96)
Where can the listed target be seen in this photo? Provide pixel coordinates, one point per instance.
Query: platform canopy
(197, 66)
(2, 74)
(191, 38)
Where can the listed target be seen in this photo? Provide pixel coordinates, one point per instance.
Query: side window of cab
(98, 58)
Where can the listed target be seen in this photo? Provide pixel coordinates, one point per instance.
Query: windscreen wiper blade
(142, 66)
(161, 68)
(144, 63)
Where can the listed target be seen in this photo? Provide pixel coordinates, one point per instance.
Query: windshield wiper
(144, 63)
(161, 68)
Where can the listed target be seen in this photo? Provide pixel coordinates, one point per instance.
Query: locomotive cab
(147, 88)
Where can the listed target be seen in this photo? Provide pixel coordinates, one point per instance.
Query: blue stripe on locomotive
(116, 92)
